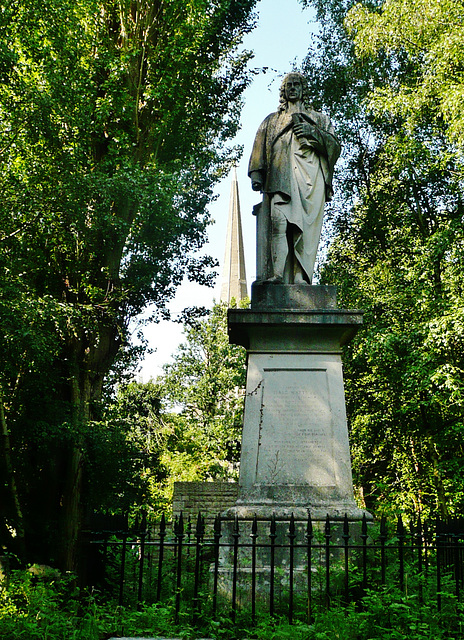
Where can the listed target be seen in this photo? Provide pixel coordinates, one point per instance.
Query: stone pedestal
(295, 452)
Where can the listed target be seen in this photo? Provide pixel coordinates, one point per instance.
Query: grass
(33, 609)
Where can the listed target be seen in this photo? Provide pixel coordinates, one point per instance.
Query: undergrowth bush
(34, 609)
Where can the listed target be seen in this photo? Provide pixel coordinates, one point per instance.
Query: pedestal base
(295, 453)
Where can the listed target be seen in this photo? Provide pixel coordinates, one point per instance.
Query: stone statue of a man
(292, 163)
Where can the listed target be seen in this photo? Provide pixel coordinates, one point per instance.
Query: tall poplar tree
(114, 118)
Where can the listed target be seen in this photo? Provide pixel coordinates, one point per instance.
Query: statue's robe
(297, 180)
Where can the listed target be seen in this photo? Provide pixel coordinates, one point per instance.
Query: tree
(132, 427)
(429, 36)
(396, 251)
(114, 119)
(202, 393)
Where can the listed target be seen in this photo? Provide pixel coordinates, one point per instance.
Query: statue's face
(293, 89)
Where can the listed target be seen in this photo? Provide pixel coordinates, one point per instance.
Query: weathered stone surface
(317, 330)
(292, 163)
(207, 498)
(267, 297)
(295, 451)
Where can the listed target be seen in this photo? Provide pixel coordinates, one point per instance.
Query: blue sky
(281, 39)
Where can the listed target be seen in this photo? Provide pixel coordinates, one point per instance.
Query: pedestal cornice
(312, 329)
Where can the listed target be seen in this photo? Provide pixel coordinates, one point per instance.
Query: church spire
(233, 274)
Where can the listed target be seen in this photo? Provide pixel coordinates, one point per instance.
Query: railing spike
(346, 526)
(383, 527)
(400, 526)
(292, 525)
(364, 525)
(199, 526)
(309, 526)
(273, 527)
(327, 525)
(254, 526)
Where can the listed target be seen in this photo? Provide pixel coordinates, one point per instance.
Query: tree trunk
(10, 473)
(88, 369)
(71, 501)
(72, 510)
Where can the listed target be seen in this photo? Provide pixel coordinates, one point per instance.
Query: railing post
(142, 556)
(427, 542)
(327, 535)
(383, 539)
(236, 536)
(162, 535)
(439, 559)
(199, 533)
(123, 569)
(188, 533)
(291, 537)
(217, 539)
(175, 525)
(419, 539)
(106, 539)
(309, 542)
(457, 576)
(179, 535)
(364, 537)
(272, 536)
(254, 536)
(401, 535)
(346, 538)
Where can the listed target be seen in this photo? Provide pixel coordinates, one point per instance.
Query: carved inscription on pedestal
(296, 433)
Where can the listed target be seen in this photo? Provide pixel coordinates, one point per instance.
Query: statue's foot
(298, 279)
(274, 280)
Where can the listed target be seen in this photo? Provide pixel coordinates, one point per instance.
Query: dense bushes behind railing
(279, 566)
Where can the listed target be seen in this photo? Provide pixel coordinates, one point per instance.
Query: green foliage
(429, 35)
(203, 394)
(114, 122)
(396, 248)
(52, 610)
(133, 481)
(58, 611)
(186, 425)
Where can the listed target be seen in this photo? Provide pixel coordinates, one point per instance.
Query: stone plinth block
(295, 451)
(307, 555)
(292, 296)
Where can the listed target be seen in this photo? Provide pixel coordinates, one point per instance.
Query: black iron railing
(277, 565)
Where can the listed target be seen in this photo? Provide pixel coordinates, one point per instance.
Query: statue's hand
(304, 130)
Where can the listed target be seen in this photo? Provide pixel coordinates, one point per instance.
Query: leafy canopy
(396, 250)
(114, 124)
(429, 35)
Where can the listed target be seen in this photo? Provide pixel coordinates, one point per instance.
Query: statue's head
(294, 87)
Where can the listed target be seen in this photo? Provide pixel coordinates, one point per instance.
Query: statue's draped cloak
(297, 176)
